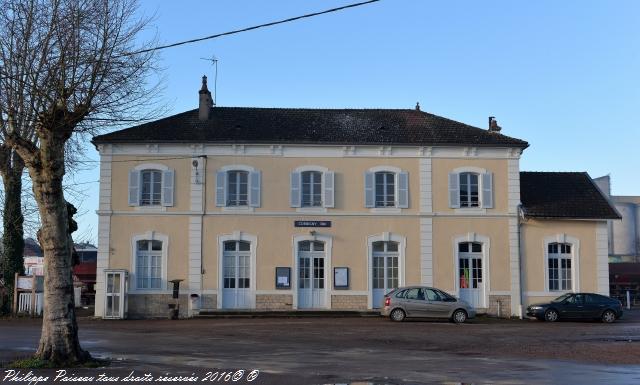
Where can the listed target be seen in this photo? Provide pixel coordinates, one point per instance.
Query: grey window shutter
(295, 189)
(254, 183)
(221, 188)
(329, 189)
(369, 197)
(487, 190)
(134, 187)
(167, 187)
(403, 190)
(454, 190)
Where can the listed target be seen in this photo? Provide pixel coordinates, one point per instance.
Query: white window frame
(313, 209)
(479, 171)
(479, 187)
(486, 268)
(229, 191)
(402, 248)
(151, 166)
(152, 191)
(149, 236)
(396, 171)
(328, 247)
(237, 167)
(253, 242)
(575, 263)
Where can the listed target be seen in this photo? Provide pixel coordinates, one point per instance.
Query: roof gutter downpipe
(520, 254)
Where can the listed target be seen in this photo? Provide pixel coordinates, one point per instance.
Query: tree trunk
(59, 342)
(13, 220)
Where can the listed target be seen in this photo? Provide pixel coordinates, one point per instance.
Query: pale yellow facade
(428, 232)
(587, 241)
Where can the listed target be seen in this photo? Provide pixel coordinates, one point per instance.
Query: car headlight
(535, 307)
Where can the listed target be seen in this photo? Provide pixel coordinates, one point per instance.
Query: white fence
(24, 303)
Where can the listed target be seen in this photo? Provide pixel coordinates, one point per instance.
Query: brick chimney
(206, 103)
(493, 125)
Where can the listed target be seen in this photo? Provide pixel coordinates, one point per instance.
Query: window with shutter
(238, 187)
(386, 187)
(295, 189)
(471, 188)
(134, 188)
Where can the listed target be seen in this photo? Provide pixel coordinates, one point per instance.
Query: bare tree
(11, 170)
(67, 70)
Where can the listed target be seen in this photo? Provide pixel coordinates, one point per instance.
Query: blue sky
(562, 75)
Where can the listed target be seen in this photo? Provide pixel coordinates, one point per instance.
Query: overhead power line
(248, 28)
(5, 75)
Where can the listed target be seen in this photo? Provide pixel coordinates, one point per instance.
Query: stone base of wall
(348, 302)
(274, 302)
(499, 306)
(208, 301)
(155, 305)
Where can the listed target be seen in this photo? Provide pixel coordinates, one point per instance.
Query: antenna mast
(214, 62)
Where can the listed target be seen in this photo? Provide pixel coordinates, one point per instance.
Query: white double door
(312, 283)
(471, 278)
(385, 276)
(115, 292)
(384, 270)
(236, 285)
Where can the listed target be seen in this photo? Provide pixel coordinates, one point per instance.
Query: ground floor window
(559, 266)
(148, 264)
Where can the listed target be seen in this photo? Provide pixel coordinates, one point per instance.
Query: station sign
(312, 223)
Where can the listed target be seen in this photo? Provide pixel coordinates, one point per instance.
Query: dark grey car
(422, 301)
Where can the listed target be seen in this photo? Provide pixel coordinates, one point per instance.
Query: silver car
(420, 301)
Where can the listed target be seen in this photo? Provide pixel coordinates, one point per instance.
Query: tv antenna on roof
(214, 62)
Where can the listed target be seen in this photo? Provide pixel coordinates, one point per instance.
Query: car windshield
(562, 297)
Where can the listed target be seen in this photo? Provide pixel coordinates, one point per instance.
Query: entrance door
(311, 276)
(384, 270)
(470, 273)
(114, 294)
(236, 265)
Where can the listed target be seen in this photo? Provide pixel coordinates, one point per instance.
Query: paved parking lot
(343, 350)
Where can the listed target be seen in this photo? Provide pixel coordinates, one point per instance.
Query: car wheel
(551, 315)
(397, 315)
(608, 316)
(459, 316)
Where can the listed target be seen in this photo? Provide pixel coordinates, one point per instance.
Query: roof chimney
(205, 101)
(493, 125)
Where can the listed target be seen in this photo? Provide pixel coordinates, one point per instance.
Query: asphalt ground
(353, 350)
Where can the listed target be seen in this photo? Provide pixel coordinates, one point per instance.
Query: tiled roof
(307, 126)
(568, 195)
(31, 248)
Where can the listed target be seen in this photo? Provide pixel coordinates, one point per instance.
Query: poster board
(283, 278)
(341, 277)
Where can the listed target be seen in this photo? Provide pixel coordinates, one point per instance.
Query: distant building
(624, 244)
(85, 272)
(624, 235)
(33, 259)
